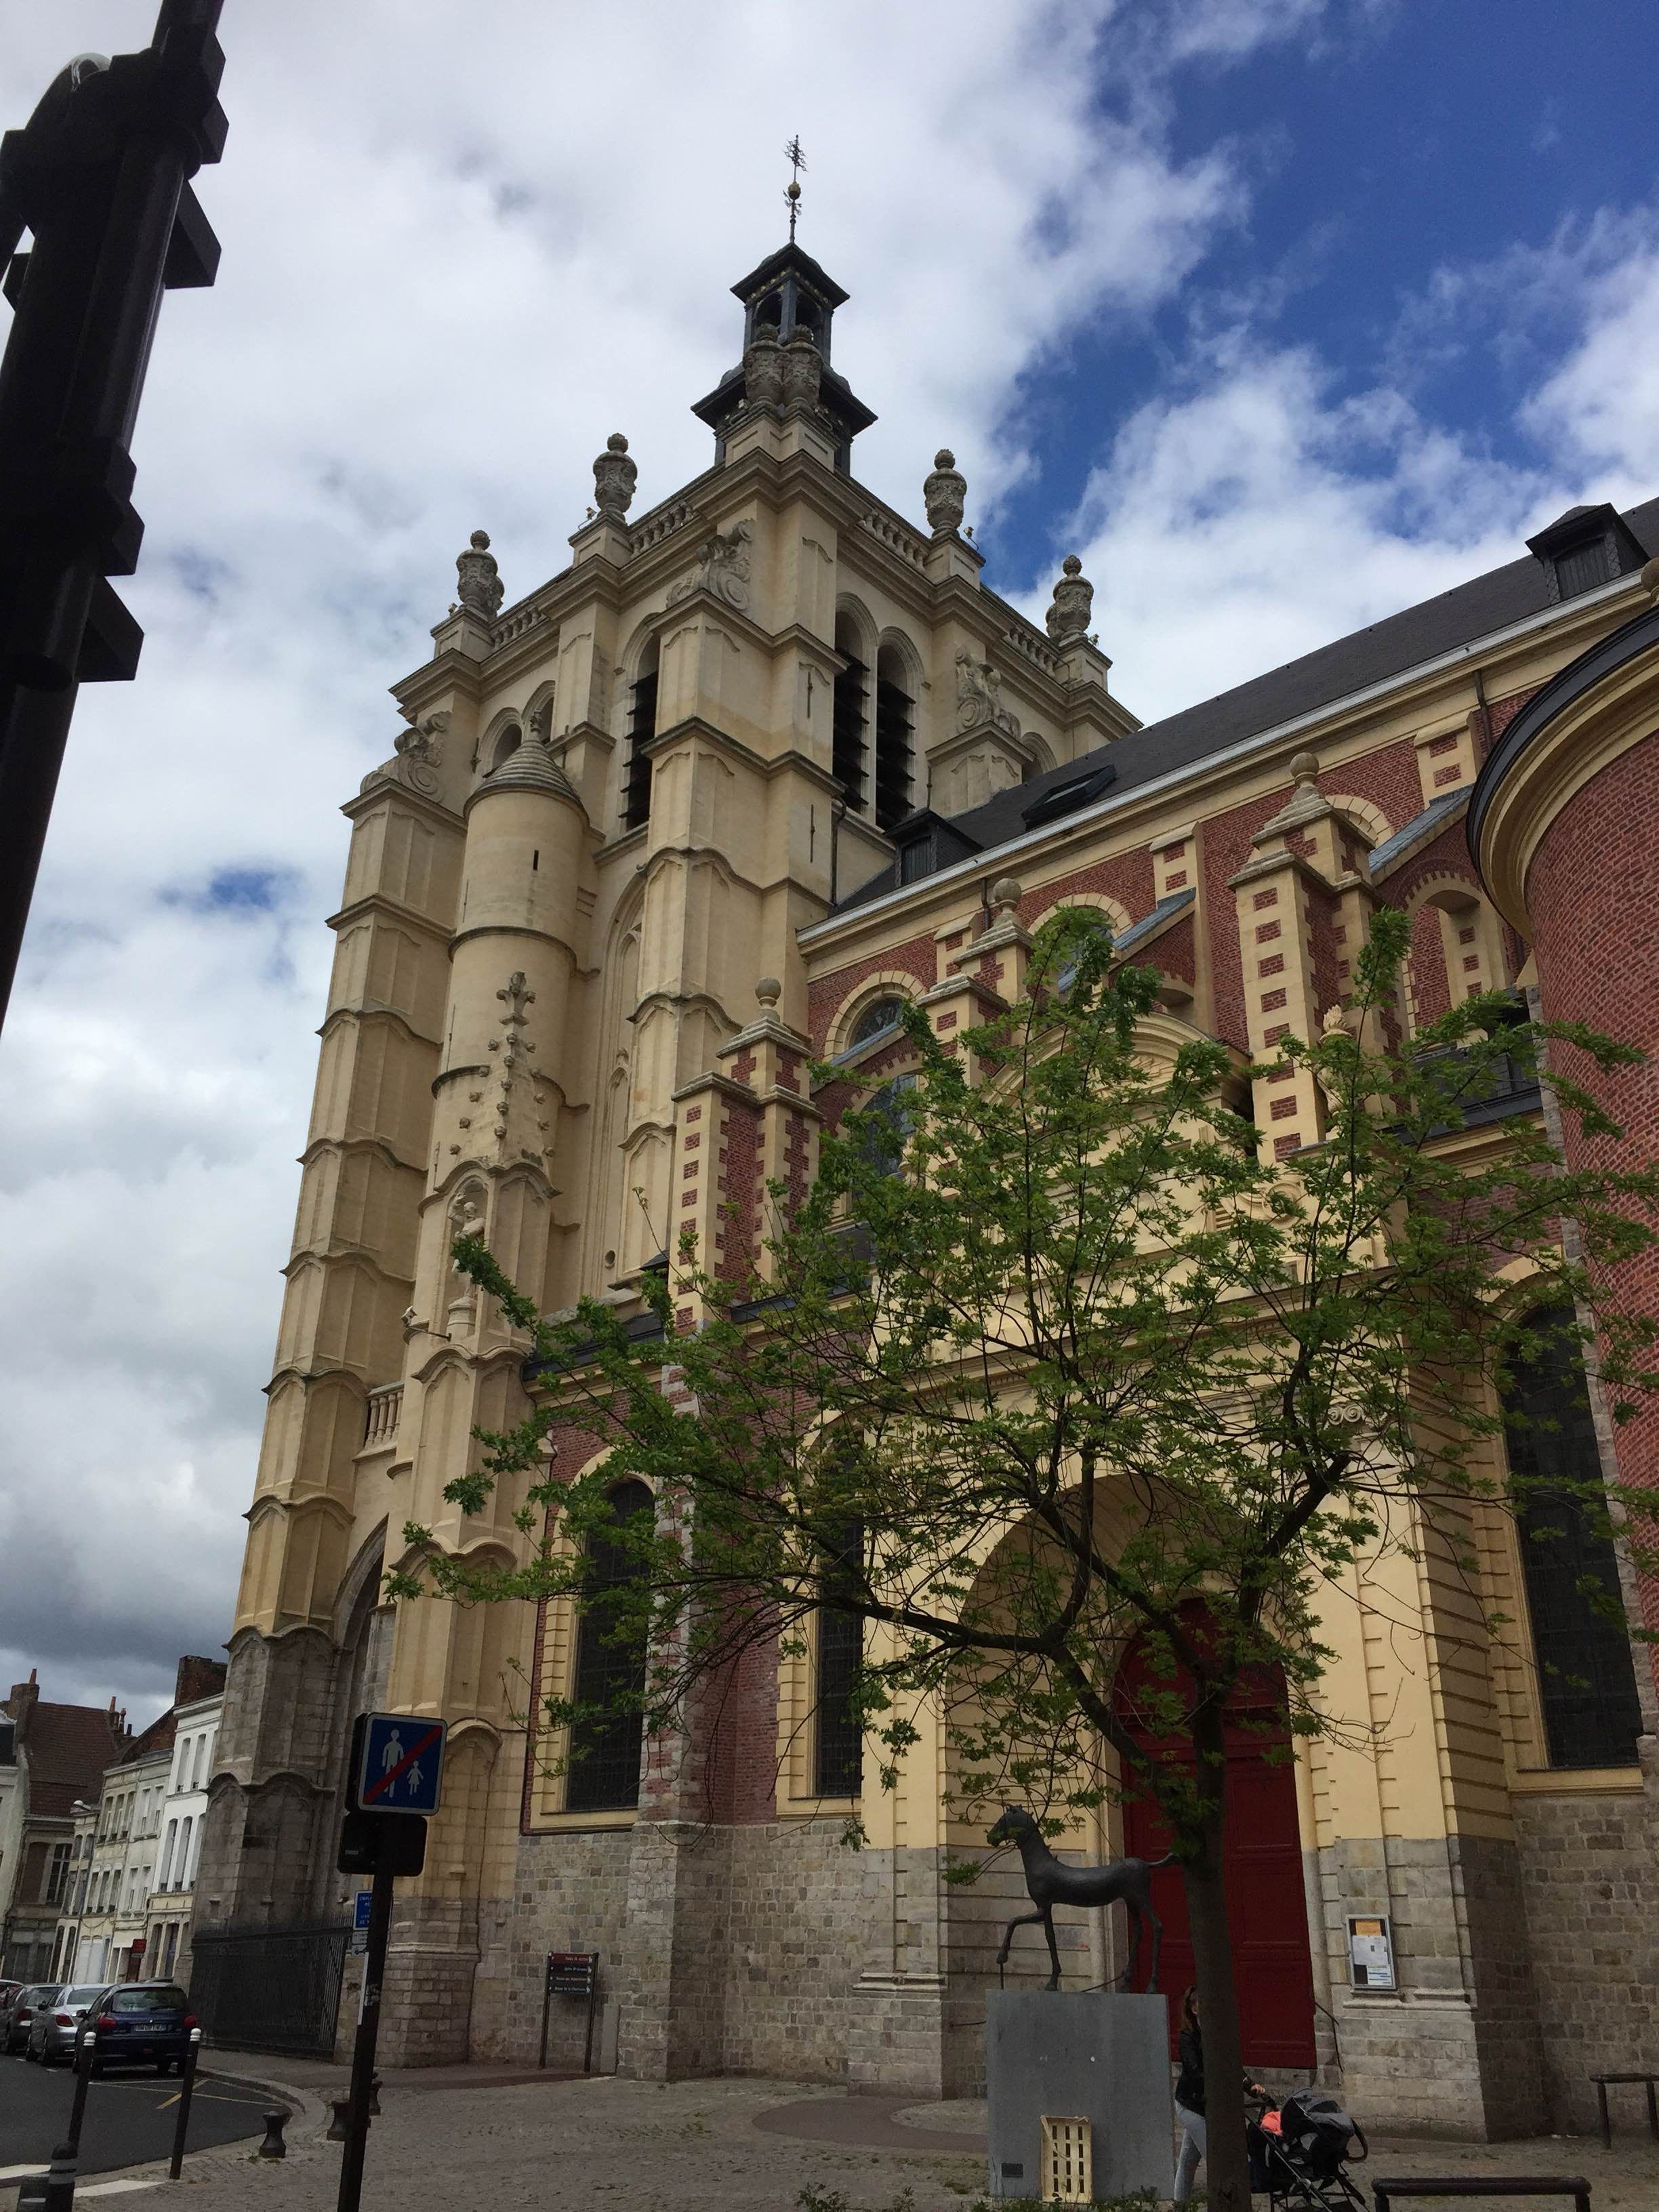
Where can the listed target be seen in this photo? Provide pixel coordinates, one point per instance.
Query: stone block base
(1092, 2056)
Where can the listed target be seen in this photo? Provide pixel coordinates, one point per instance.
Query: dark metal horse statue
(1049, 1882)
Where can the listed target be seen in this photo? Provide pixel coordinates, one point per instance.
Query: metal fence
(268, 1988)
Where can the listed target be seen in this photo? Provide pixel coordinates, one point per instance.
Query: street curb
(309, 2111)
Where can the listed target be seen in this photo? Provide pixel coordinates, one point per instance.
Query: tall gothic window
(895, 719)
(1586, 1678)
(838, 1740)
(604, 1773)
(642, 728)
(850, 722)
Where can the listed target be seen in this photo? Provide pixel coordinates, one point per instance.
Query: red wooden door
(1266, 1902)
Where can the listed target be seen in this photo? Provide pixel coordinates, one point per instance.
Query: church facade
(757, 766)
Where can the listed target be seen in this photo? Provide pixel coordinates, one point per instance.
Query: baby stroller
(1297, 2155)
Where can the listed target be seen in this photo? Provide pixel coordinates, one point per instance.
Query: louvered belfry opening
(604, 1774)
(895, 720)
(642, 728)
(850, 722)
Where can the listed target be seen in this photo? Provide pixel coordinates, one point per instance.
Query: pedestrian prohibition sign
(399, 1762)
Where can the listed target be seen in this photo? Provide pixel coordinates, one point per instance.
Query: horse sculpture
(1049, 1882)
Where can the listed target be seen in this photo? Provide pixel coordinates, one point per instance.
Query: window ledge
(1576, 1781)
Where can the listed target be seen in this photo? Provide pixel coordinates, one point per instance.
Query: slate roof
(69, 1747)
(1454, 618)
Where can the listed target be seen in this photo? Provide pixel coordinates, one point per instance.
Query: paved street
(733, 2146)
(130, 2119)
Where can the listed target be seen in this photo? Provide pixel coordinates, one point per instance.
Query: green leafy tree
(1050, 1363)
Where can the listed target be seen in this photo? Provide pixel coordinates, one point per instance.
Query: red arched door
(1266, 1901)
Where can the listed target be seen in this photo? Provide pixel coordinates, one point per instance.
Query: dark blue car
(140, 2024)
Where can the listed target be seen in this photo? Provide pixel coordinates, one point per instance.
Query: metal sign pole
(362, 2056)
(86, 2044)
(187, 2090)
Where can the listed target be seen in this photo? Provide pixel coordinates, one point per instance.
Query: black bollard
(273, 2146)
(187, 2091)
(59, 2193)
(336, 2127)
(375, 2097)
(86, 2045)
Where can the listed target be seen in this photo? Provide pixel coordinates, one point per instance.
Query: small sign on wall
(1370, 1951)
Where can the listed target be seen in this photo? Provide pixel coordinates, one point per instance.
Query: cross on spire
(797, 161)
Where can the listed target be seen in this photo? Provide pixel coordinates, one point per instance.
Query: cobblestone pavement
(694, 2144)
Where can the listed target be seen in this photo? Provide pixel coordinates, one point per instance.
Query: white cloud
(462, 245)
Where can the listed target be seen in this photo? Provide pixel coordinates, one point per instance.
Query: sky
(1282, 313)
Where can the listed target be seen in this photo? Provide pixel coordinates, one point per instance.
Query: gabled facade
(51, 1756)
(759, 763)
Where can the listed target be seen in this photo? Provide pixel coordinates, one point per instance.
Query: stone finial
(763, 369)
(480, 587)
(802, 370)
(1305, 767)
(1006, 894)
(768, 991)
(614, 479)
(944, 491)
(1074, 597)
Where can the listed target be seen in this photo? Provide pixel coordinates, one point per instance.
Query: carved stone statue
(979, 696)
(763, 369)
(1049, 1882)
(722, 567)
(803, 370)
(480, 589)
(614, 479)
(1074, 595)
(944, 490)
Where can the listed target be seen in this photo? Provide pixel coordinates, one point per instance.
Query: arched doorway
(1266, 1901)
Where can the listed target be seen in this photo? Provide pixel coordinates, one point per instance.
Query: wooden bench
(1605, 2081)
(1384, 2193)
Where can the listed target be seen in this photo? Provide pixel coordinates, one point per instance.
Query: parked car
(141, 2024)
(7, 1998)
(20, 2014)
(52, 2031)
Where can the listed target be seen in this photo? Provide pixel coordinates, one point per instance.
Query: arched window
(183, 1874)
(881, 1014)
(1586, 1678)
(642, 728)
(889, 1128)
(199, 1772)
(506, 745)
(838, 1738)
(166, 1879)
(850, 722)
(895, 720)
(604, 1772)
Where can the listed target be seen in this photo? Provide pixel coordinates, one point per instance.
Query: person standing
(1189, 2098)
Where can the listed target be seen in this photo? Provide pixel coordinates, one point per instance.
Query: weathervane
(797, 161)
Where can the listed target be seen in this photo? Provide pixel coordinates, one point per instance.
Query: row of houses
(101, 1831)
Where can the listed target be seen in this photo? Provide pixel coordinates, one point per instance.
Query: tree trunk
(1225, 2166)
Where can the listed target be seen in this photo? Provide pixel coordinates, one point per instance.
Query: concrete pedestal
(1093, 2056)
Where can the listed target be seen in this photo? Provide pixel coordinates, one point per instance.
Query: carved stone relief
(722, 567)
(979, 696)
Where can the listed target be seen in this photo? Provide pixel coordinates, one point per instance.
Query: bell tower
(789, 306)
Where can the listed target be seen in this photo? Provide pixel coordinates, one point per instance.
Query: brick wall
(1588, 892)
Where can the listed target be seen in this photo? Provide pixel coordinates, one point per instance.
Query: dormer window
(1583, 549)
(1069, 796)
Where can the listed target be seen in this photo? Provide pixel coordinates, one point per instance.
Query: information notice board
(572, 1974)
